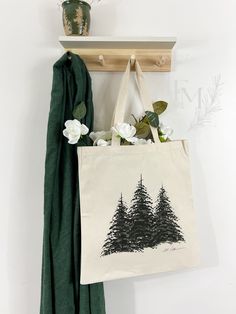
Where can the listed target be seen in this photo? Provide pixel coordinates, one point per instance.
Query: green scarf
(61, 292)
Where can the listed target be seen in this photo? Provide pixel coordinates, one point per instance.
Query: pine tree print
(165, 227)
(141, 217)
(142, 226)
(118, 236)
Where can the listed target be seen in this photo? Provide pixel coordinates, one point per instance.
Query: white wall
(206, 48)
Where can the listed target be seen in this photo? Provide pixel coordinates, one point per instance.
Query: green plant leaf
(144, 119)
(153, 118)
(79, 111)
(84, 141)
(159, 106)
(142, 129)
(162, 139)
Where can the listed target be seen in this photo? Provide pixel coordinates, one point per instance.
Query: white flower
(101, 135)
(124, 130)
(141, 141)
(73, 131)
(102, 142)
(165, 130)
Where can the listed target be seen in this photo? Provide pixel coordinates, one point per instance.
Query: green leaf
(153, 118)
(79, 111)
(144, 119)
(159, 106)
(85, 140)
(162, 139)
(142, 129)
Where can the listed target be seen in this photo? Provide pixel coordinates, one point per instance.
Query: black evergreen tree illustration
(141, 218)
(142, 226)
(118, 236)
(165, 227)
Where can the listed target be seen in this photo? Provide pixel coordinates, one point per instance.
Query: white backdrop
(204, 61)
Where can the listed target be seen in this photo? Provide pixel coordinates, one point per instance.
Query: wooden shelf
(112, 53)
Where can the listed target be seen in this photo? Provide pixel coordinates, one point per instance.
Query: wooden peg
(132, 60)
(101, 60)
(161, 61)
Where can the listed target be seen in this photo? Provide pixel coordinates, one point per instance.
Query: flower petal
(142, 141)
(73, 140)
(93, 136)
(105, 135)
(76, 123)
(132, 131)
(101, 142)
(131, 139)
(68, 123)
(84, 129)
(124, 130)
(65, 133)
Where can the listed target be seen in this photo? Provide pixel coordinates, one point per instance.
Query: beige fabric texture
(106, 172)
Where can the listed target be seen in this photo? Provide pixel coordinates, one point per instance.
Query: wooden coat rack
(112, 53)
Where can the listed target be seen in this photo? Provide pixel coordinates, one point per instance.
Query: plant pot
(76, 17)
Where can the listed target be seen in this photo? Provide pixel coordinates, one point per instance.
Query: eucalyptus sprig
(151, 118)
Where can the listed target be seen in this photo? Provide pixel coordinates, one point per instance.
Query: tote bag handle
(119, 112)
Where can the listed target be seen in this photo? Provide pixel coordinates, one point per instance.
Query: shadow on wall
(207, 237)
(26, 207)
(120, 297)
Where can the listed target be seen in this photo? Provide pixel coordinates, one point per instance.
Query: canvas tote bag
(137, 214)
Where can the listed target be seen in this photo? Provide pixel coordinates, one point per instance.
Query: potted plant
(76, 17)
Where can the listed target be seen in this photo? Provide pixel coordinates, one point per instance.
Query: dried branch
(209, 105)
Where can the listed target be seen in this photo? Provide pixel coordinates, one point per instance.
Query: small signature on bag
(174, 249)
